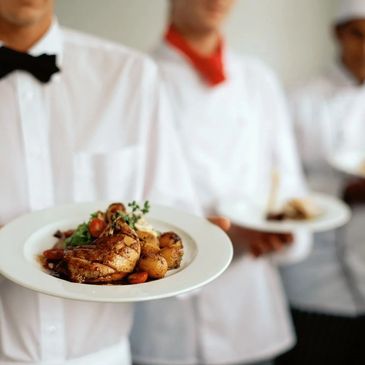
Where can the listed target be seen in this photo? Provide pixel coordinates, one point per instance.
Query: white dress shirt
(96, 131)
(329, 112)
(233, 135)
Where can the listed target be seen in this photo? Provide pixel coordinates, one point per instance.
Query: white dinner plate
(349, 162)
(251, 215)
(207, 253)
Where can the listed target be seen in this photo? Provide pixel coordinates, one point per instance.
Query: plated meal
(315, 213)
(115, 246)
(296, 209)
(100, 247)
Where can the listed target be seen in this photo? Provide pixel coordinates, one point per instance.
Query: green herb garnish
(135, 207)
(80, 237)
(136, 213)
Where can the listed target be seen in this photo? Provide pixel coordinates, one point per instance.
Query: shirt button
(56, 77)
(28, 95)
(35, 155)
(51, 329)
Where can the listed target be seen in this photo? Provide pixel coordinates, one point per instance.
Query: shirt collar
(51, 43)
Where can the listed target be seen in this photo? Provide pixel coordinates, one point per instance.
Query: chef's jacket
(329, 113)
(96, 131)
(233, 136)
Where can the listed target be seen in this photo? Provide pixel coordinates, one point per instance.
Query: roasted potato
(173, 256)
(170, 239)
(154, 264)
(149, 242)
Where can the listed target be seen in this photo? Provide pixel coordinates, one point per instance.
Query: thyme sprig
(135, 214)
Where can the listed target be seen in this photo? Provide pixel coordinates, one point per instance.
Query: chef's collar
(211, 68)
(51, 43)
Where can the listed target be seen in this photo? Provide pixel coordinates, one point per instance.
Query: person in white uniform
(233, 124)
(80, 119)
(327, 290)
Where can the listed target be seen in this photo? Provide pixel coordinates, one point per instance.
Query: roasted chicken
(109, 259)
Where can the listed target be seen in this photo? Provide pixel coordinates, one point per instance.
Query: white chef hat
(350, 9)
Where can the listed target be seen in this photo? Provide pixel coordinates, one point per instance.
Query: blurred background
(292, 36)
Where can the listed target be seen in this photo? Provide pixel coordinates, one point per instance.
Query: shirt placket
(53, 346)
(33, 116)
(37, 153)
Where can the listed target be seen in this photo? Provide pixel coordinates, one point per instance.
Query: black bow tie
(41, 67)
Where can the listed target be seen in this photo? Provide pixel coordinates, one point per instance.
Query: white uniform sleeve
(287, 163)
(304, 114)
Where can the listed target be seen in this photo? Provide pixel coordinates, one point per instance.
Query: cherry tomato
(96, 227)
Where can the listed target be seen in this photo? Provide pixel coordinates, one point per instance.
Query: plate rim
(168, 215)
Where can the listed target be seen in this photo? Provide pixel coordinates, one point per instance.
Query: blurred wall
(293, 36)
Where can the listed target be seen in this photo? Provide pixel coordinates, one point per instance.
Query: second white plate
(251, 215)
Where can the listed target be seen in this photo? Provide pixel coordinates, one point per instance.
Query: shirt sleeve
(303, 114)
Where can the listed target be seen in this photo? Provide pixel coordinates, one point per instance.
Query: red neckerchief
(209, 67)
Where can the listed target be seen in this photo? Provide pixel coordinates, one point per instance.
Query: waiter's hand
(354, 192)
(221, 222)
(259, 243)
